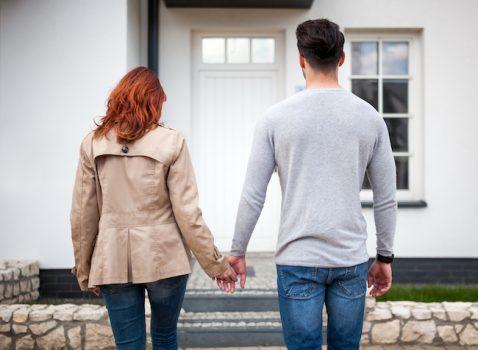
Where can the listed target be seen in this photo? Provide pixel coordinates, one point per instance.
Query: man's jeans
(125, 304)
(302, 294)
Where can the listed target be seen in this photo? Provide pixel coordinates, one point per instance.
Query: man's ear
(341, 58)
(301, 61)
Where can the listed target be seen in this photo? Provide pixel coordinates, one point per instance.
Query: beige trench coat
(135, 213)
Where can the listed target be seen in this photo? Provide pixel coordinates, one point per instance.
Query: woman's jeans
(125, 304)
(302, 294)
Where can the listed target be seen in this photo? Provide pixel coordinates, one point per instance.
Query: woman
(135, 216)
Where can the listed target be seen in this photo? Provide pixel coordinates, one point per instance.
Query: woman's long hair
(134, 106)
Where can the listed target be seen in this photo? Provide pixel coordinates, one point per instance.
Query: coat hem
(138, 280)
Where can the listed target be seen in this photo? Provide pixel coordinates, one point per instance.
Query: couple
(135, 216)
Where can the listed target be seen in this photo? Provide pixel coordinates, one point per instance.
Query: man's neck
(321, 81)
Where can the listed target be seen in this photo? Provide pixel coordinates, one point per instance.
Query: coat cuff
(218, 267)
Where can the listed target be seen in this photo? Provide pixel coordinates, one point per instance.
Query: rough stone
(65, 312)
(421, 314)
(25, 343)
(90, 314)
(6, 313)
(24, 286)
(366, 326)
(447, 334)
(55, 339)
(474, 312)
(74, 337)
(5, 342)
(438, 312)
(16, 289)
(419, 331)
(41, 314)
(4, 328)
(21, 315)
(42, 327)
(35, 282)
(370, 302)
(457, 315)
(8, 293)
(400, 311)
(459, 328)
(2, 288)
(19, 328)
(98, 337)
(386, 332)
(379, 314)
(469, 336)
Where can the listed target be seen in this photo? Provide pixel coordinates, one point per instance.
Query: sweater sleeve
(259, 171)
(382, 175)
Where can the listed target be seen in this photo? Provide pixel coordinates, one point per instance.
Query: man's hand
(238, 263)
(227, 280)
(380, 277)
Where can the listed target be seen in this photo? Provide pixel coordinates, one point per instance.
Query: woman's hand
(226, 281)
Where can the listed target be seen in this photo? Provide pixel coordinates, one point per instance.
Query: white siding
(449, 226)
(58, 61)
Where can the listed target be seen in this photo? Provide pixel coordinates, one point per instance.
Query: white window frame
(415, 191)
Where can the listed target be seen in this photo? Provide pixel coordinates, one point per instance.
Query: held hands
(380, 277)
(237, 267)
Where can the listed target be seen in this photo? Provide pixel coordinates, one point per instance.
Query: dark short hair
(321, 42)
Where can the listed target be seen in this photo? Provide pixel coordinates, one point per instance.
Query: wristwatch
(385, 259)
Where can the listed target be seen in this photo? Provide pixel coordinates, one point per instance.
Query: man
(323, 141)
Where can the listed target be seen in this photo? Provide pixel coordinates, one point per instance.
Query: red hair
(134, 106)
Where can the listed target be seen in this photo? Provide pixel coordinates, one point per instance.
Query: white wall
(449, 226)
(58, 61)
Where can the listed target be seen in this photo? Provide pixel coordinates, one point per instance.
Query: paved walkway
(369, 347)
(261, 276)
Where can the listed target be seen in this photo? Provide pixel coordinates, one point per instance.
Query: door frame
(198, 67)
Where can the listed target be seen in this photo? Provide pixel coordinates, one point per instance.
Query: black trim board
(60, 283)
(153, 35)
(284, 4)
(401, 204)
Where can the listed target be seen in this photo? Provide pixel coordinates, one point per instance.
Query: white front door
(236, 78)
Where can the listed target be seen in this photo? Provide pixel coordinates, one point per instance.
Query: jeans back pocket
(296, 282)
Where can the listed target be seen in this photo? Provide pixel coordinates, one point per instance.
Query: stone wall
(404, 322)
(86, 326)
(19, 281)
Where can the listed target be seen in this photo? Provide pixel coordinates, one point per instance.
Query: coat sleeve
(184, 198)
(84, 218)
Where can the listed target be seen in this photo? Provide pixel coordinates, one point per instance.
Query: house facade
(222, 63)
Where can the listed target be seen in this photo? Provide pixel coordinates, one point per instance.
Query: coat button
(125, 149)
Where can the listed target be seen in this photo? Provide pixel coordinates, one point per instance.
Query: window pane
(398, 130)
(395, 96)
(238, 50)
(213, 50)
(364, 57)
(394, 57)
(366, 89)
(263, 50)
(401, 164)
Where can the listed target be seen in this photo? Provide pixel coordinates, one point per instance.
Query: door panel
(228, 104)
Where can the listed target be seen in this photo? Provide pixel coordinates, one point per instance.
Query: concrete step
(202, 300)
(227, 329)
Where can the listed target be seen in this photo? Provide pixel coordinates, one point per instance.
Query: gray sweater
(322, 142)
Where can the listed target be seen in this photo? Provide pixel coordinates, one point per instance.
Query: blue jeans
(125, 304)
(302, 294)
